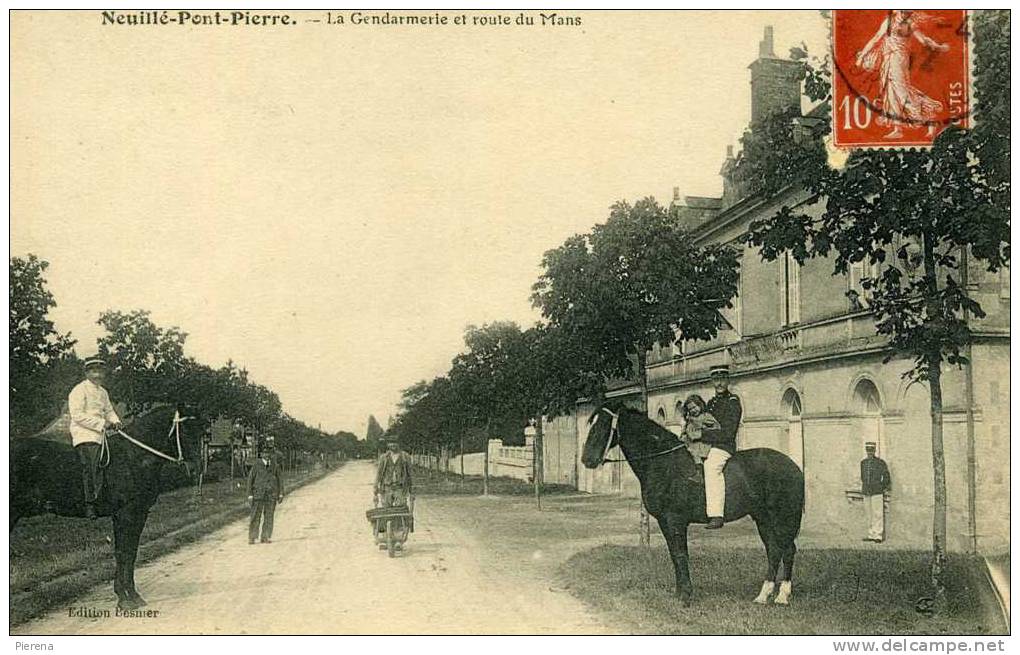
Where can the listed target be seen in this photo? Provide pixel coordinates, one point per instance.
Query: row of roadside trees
(148, 365)
(639, 278)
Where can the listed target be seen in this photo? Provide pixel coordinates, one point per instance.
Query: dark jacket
(265, 481)
(875, 478)
(393, 475)
(727, 410)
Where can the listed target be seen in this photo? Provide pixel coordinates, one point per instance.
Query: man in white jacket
(91, 413)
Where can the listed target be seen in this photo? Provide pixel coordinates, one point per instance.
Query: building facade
(809, 368)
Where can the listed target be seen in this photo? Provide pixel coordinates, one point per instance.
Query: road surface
(323, 574)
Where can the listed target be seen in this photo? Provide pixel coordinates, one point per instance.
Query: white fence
(507, 461)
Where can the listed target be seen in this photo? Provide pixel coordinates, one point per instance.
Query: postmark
(900, 77)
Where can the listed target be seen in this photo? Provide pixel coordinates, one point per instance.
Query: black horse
(761, 483)
(46, 478)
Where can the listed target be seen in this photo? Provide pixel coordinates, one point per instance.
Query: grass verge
(55, 559)
(836, 592)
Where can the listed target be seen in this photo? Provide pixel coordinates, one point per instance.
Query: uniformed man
(265, 490)
(91, 413)
(726, 409)
(393, 476)
(875, 481)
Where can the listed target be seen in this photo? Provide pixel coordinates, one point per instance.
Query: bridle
(175, 431)
(614, 428)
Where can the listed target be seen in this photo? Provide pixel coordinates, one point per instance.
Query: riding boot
(714, 523)
(90, 511)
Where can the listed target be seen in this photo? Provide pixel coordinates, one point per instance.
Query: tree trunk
(644, 523)
(536, 458)
(485, 471)
(938, 460)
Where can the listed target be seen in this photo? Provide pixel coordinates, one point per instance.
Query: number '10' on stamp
(900, 76)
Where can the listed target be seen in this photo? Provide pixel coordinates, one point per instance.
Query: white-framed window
(789, 290)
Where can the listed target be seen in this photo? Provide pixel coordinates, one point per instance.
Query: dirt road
(324, 575)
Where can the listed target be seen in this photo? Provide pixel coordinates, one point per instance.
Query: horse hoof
(128, 604)
(761, 601)
(138, 599)
(780, 600)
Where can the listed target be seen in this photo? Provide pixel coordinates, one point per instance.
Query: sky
(329, 206)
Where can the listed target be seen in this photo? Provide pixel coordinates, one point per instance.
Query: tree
(374, 434)
(920, 215)
(635, 280)
(34, 345)
(146, 361)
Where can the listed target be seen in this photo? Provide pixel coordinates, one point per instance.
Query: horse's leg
(135, 528)
(119, 548)
(786, 585)
(675, 533)
(773, 555)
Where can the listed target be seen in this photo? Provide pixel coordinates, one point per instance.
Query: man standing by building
(265, 490)
(875, 481)
(726, 409)
(91, 413)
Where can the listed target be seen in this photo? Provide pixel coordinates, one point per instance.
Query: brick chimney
(775, 82)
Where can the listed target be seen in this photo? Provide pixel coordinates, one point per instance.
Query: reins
(615, 427)
(175, 430)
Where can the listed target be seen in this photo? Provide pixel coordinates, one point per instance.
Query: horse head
(637, 435)
(174, 431)
(603, 434)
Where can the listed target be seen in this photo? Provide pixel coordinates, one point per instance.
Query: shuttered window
(789, 290)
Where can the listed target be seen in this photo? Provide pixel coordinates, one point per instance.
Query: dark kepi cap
(95, 362)
(719, 371)
(870, 445)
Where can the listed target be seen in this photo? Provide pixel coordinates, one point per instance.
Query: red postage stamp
(899, 77)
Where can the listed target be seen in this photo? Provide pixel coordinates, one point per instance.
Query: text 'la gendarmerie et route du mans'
(269, 19)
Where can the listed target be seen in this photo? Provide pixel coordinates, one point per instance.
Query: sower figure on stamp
(875, 481)
(265, 490)
(91, 413)
(726, 409)
(393, 476)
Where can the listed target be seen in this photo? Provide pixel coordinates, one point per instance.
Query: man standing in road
(875, 481)
(91, 413)
(265, 490)
(726, 409)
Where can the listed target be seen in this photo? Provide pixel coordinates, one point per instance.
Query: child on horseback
(696, 420)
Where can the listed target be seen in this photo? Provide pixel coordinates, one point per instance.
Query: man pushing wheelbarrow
(393, 516)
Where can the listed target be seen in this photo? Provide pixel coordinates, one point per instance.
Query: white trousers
(876, 516)
(715, 483)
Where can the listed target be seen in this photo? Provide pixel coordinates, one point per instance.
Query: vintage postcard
(511, 322)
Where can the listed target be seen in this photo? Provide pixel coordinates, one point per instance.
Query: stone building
(808, 366)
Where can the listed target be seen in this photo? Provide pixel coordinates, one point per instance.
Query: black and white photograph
(507, 322)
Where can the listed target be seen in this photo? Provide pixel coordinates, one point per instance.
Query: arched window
(661, 416)
(867, 405)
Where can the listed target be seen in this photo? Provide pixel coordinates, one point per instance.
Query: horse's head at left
(603, 434)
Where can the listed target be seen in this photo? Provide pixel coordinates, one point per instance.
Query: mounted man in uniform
(727, 410)
(91, 414)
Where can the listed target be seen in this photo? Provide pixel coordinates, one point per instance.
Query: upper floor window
(733, 315)
(789, 290)
(856, 293)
